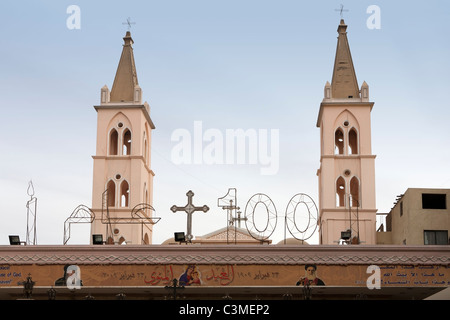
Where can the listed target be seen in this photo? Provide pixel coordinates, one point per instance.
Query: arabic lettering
(225, 275)
(164, 276)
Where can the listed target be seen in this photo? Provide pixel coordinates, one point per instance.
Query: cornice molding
(226, 254)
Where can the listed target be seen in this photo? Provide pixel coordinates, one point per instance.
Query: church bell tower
(347, 208)
(122, 175)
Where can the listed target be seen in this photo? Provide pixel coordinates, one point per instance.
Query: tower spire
(344, 84)
(126, 80)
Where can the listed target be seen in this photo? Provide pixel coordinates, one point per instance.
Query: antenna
(229, 202)
(354, 219)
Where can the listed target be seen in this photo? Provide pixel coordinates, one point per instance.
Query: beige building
(419, 217)
(347, 165)
(224, 236)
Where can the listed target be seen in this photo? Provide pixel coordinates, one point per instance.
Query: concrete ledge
(226, 254)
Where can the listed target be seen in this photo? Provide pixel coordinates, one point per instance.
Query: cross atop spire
(341, 10)
(129, 23)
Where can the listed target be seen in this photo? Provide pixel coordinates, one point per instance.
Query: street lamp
(174, 288)
(27, 286)
(15, 240)
(306, 291)
(97, 239)
(179, 237)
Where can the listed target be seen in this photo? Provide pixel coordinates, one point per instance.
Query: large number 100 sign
(261, 216)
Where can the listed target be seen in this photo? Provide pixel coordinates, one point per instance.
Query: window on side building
(435, 237)
(434, 201)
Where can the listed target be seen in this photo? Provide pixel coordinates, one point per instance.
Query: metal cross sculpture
(27, 286)
(129, 23)
(189, 209)
(341, 10)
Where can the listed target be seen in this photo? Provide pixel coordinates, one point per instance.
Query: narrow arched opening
(124, 194)
(113, 142)
(340, 192)
(339, 141)
(126, 144)
(111, 193)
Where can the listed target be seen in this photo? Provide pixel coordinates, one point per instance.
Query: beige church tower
(123, 179)
(347, 208)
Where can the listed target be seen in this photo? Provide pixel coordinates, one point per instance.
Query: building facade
(229, 263)
(420, 216)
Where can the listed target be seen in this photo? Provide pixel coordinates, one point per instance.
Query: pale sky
(258, 65)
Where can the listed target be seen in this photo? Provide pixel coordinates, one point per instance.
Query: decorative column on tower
(122, 177)
(347, 208)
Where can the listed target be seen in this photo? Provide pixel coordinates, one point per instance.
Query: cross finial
(129, 23)
(341, 10)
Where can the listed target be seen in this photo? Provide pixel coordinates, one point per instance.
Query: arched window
(354, 192)
(340, 192)
(124, 194)
(113, 142)
(126, 143)
(145, 151)
(146, 239)
(339, 141)
(144, 148)
(122, 240)
(111, 193)
(352, 141)
(145, 193)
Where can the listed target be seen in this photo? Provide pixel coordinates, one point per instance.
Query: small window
(340, 192)
(126, 145)
(111, 193)
(433, 201)
(122, 241)
(354, 191)
(124, 194)
(339, 142)
(145, 150)
(401, 208)
(146, 239)
(113, 142)
(435, 237)
(352, 141)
